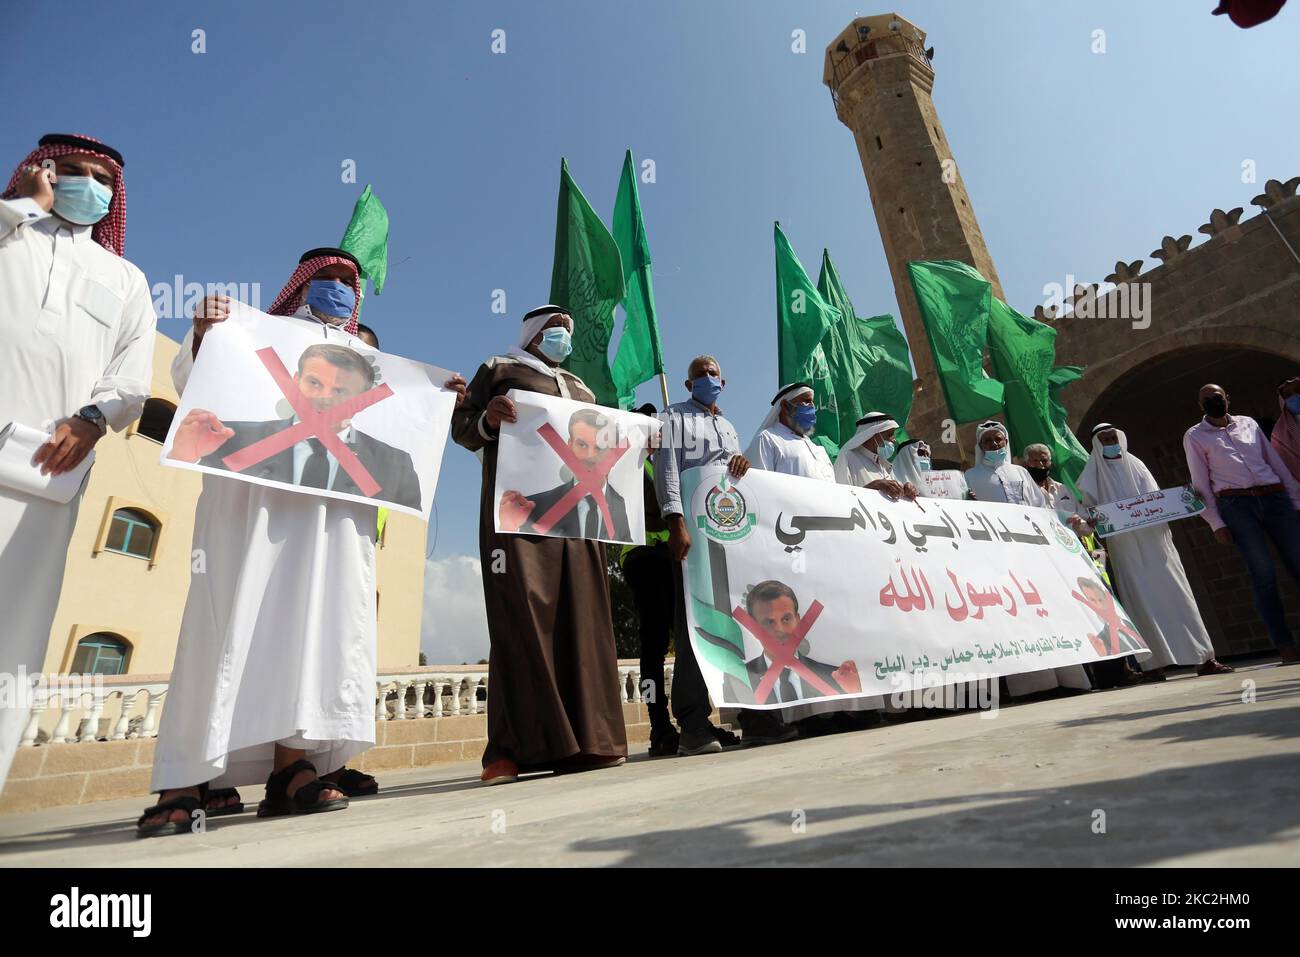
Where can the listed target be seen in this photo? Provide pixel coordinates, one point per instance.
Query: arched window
(132, 533)
(101, 654)
(156, 419)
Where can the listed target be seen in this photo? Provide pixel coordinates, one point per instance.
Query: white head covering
(1106, 480)
(991, 483)
(534, 322)
(791, 391)
(906, 468)
(871, 424)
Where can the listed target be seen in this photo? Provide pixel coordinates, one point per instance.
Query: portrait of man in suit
(775, 607)
(591, 437)
(327, 375)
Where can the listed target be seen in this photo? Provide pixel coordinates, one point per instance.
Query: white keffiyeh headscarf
(906, 467)
(1005, 482)
(870, 425)
(787, 393)
(534, 322)
(1106, 480)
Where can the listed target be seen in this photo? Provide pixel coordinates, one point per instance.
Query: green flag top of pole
(367, 238)
(640, 355)
(803, 319)
(587, 280)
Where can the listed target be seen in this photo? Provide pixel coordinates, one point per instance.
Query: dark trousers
(1253, 521)
(649, 572)
(690, 697)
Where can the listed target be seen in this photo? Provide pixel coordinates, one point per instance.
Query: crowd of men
(276, 657)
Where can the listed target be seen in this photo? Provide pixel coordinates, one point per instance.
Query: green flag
(1056, 382)
(803, 318)
(640, 355)
(954, 301)
(837, 346)
(367, 238)
(1023, 351)
(880, 354)
(587, 280)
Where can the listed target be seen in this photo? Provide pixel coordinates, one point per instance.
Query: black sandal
(355, 783)
(306, 800)
(223, 794)
(190, 805)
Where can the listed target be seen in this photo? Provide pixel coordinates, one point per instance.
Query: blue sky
(1073, 159)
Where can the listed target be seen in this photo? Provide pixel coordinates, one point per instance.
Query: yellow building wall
(142, 601)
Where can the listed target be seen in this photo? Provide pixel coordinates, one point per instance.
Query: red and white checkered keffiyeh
(109, 232)
(295, 290)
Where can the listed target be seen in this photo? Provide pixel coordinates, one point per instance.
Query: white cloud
(454, 626)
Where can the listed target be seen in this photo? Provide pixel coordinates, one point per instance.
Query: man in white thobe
(276, 661)
(864, 460)
(78, 330)
(1148, 572)
(996, 479)
(782, 443)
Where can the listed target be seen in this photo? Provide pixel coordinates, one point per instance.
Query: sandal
(354, 783)
(306, 800)
(190, 805)
(223, 794)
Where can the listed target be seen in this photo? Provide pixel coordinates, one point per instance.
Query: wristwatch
(91, 414)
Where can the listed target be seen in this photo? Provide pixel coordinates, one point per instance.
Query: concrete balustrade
(96, 743)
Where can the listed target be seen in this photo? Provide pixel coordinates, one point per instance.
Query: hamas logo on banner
(726, 516)
(1066, 538)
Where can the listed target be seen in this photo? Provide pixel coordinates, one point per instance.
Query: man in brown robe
(553, 701)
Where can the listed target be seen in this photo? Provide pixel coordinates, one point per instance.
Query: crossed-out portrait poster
(285, 402)
(801, 590)
(570, 469)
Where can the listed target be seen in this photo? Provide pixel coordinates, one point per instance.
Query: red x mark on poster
(311, 424)
(1111, 624)
(782, 653)
(586, 480)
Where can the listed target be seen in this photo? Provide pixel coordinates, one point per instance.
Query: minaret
(879, 73)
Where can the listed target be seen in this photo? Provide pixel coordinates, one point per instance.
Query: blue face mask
(556, 343)
(1293, 405)
(1112, 451)
(923, 464)
(885, 450)
(81, 199)
(805, 416)
(706, 389)
(996, 456)
(332, 298)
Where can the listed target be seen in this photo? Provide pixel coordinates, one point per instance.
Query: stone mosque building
(1225, 310)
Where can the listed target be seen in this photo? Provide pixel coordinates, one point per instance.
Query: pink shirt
(1236, 456)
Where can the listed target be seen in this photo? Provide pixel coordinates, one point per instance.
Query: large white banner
(800, 590)
(570, 469)
(273, 401)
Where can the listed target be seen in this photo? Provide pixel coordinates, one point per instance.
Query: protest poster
(288, 403)
(571, 469)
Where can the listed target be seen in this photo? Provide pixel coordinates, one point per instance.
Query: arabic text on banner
(1153, 508)
(802, 590)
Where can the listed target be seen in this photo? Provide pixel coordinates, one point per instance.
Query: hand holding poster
(802, 590)
(1153, 508)
(284, 402)
(570, 469)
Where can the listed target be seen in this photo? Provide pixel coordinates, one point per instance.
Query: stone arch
(1153, 399)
